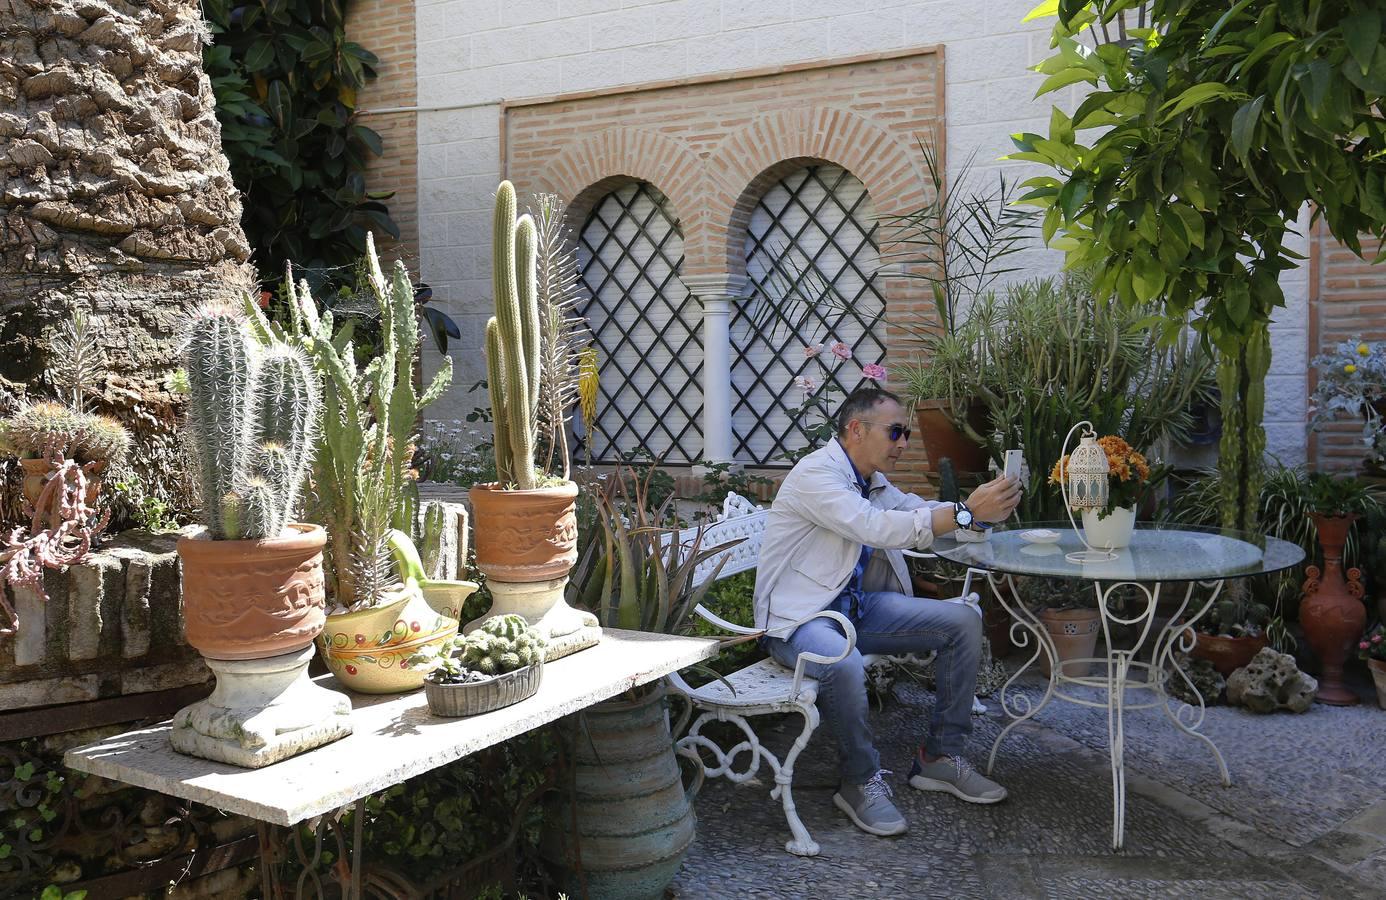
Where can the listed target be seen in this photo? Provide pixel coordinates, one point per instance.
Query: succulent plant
(532, 341)
(362, 473)
(37, 428)
(501, 645)
(252, 416)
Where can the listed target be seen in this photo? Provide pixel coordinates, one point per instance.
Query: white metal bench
(763, 687)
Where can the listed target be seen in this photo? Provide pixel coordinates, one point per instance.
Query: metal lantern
(1087, 475)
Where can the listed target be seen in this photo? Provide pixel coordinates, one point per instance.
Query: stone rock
(1269, 682)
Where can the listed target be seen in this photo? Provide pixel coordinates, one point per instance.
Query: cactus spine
(513, 354)
(252, 415)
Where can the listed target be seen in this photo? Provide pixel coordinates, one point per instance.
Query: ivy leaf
(1362, 33)
(24, 772)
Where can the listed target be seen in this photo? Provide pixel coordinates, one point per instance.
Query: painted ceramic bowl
(369, 650)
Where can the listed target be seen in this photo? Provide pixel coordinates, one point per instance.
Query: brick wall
(1349, 304)
(386, 28)
(475, 54)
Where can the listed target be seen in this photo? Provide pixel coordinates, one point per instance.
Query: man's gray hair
(860, 402)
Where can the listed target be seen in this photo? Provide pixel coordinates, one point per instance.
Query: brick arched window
(645, 327)
(816, 226)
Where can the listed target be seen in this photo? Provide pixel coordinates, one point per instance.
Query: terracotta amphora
(1332, 613)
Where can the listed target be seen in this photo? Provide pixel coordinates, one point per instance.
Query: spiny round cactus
(84, 437)
(501, 645)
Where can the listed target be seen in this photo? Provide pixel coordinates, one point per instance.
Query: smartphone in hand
(1011, 468)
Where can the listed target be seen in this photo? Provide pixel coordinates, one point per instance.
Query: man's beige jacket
(815, 531)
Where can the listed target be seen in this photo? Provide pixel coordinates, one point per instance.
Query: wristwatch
(962, 515)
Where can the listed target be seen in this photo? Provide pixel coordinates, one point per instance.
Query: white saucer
(1040, 536)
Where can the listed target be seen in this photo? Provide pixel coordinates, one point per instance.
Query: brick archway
(585, 170)
(758, 155)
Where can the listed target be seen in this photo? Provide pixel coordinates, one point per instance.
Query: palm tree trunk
(115, 197)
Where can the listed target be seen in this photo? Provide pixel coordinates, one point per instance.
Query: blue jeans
(890, 623)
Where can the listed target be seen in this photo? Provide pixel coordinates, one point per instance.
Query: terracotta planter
(1074, 633)
(1332, 613)
(941, 438)
(253, 599)
(38, 471)
(1112, 532)
(524, 536)
(369, 650)
(1378, 670)
(1227, 654)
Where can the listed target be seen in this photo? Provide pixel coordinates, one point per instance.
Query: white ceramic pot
(1112, 532)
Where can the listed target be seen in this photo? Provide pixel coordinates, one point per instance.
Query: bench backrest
(739, 519)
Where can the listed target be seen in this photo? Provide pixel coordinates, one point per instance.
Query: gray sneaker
(955, 775)
(869, 807)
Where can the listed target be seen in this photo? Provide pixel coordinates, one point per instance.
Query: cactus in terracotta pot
(501, 645)
(252, 417)
(512, 341)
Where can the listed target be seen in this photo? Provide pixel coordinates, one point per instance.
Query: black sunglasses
(895, 431)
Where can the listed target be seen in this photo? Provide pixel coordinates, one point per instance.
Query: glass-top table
(1159, 554)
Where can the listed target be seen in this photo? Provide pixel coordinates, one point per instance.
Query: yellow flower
(1349, 368)
(1363, 350)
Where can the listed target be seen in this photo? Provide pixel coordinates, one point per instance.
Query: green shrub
(286, 80)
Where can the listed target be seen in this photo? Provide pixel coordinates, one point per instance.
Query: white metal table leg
(1179, 634)
(1018, 705)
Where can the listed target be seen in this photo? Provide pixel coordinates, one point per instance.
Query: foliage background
(286, 81)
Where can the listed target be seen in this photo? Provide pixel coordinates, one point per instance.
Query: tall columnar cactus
(512, 341)
(252, 414)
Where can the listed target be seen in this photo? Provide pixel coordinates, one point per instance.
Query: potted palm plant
(525, 521)
(363, 479)
(252, 579)
(630, 838)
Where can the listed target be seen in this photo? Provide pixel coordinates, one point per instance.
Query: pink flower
(806, 384)
(841, 350)
(1362, 646)
(874, 372)
(812, 350)
(1376, 639)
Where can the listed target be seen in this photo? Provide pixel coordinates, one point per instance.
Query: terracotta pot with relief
(1227, 653)
(253, 599)
(1332, 613)
(525, 536)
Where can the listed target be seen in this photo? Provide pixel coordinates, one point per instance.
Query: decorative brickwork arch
(758, 155)
(587, 169)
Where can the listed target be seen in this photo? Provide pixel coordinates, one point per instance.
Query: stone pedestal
(567, 630)
(261, 711)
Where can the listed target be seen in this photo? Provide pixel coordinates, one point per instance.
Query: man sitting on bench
(835, 512)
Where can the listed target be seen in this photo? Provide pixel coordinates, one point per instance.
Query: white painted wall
(474, 53)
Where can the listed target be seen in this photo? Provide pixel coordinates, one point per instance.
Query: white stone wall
(475, 53)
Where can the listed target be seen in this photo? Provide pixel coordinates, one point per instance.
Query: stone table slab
(394, 738)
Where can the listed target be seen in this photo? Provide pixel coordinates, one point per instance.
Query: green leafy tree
(286, 80)
(1219, 121)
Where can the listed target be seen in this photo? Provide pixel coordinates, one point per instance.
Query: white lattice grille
(817, 216)
(646, 328)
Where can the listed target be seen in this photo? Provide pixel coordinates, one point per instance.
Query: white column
(717, 293)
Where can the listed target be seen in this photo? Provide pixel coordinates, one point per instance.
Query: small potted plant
(499, 664)
(1234, 629)
(1372, 648)
(1068, 611)
(1130, 481)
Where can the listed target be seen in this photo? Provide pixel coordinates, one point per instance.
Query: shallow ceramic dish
(1040, 536)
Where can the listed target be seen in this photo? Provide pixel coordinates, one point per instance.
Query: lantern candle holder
(1083, 483)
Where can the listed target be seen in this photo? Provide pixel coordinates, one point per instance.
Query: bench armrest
(808, 657)
(709, 616)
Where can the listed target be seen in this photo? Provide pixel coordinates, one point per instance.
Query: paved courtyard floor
(1305, 816)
